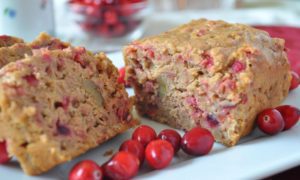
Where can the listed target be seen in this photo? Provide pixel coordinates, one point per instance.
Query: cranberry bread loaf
(44, 40)
(6, 41)
(57, 104)
(208, 73)
(13, 53)
(17, 49)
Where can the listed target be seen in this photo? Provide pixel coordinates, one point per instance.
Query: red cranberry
(290, 115)
(295, 80)
(121, 78)
(238, 66)
(172, 137)
(144, 134)
(123, 165)
(110, 16)
(197, 141)
(159, 153)
(134, 147)
(31, 80)
(207, 61)
(270, 121)
(4, 157)
(93, 11)
(86, 169)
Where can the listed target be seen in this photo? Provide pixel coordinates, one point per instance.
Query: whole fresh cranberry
(134, 147)
(144, 134)
(123, 165)
(4, 157)
(270, 121)
(295, 80)
(159, 153)
(172, 136)
(290, 115)
(86, 169)
(198, 141)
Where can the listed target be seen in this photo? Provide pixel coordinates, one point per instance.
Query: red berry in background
(93, 12)
(295, 80)
(144, 134)
(159, 153)
(270, 121)
(134, 147)
(121, 78)
(290, 115)
(110, 16)
(4, 157)
(123, 165)
(86, 169)
(197, 141)
(172, 137)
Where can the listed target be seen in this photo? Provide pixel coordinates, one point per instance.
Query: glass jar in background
(103, 25)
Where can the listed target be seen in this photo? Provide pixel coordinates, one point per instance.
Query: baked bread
(14, 49)
(57, 104)
(6, 41)
(13, 53)
(208, 73)
(44, 40)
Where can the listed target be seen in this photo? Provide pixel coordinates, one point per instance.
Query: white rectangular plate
(256, 156)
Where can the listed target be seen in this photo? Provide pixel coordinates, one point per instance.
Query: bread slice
(210, 74)
(57, 104)
(6, 40)
(16, 49)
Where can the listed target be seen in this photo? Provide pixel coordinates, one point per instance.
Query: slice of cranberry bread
(208, 73)
(19, 49)
(6, 41)
(56, 105)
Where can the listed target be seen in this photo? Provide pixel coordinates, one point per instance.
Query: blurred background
(107, 25)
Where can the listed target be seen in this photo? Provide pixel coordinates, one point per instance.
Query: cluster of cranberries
(108, 18)
(145, 144)
(273, 120)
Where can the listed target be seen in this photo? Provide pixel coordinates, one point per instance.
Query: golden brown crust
(6, 41)
(208, 73)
